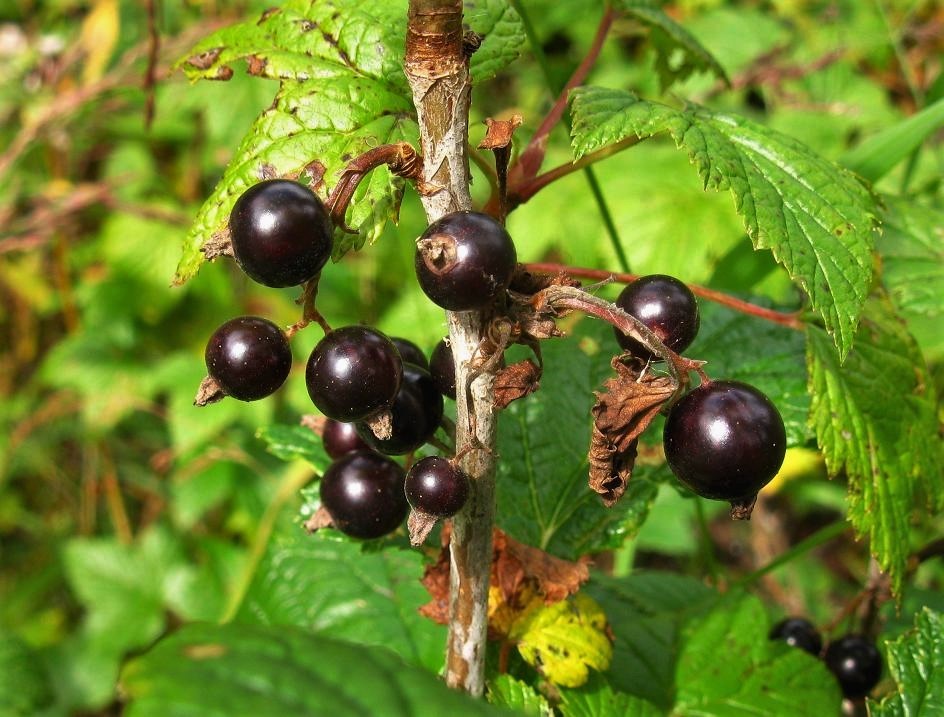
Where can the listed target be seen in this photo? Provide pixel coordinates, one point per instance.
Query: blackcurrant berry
(363, 493)
(724, 440)
(340, 438)
(464, 261)
(435, 486)
(443, 369)
(666, 306)
(410, 352)
(281, 233)
(249, 357)
(416, 413)
(856, 663)
(798, 632)
(352, 373)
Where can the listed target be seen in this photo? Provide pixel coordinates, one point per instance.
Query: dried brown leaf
(621, 413)
(516, 381)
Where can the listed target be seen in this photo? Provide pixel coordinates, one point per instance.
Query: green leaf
(912, 251)
(646, 611)
(543, 439)
(678, 53)
(597, 699)
(122, 586)
(875, 421)
(878, 155)
(303, 40)
(295, 443)
(815, 217)
(506, 691)
(916, 662)
(25, 688)
(564, 640)
(764, 354)
(503, 36)
(333, 587)
(342, 91)
(253, 671)
(728, 666)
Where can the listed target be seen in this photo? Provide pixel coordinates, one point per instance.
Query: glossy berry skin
(352, 373)
(281, 233)
(856, 663)
(416, 412)
(363, 493)
(798, 632)
(410, 352)
(443, 369)
(340, 438)
(464, 261)
(725, 440)
(435, 486)
(666, 306)
(249, 357)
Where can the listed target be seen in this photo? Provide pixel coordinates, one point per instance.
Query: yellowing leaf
(565, 640)
(99, 35)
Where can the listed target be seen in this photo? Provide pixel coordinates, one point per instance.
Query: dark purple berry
(249, 357)
(437, 487)
(666, 306)
(340, 438)
(363, 493)
(856, 663)
(798, 632)
(416, 413)
(724, 440)
(410, 352)
(281, 233)
(352, 373)
(464, 261)
(443, 369)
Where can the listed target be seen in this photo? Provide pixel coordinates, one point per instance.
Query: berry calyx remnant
(280, 232)
(666, 306)
(363, 493)
(437, 487)
(725, 440)
(352, 373)
(464, 261)
(249, 357)
(416, 412)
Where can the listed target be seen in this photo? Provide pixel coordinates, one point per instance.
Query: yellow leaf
(99, 36)
(564, 640)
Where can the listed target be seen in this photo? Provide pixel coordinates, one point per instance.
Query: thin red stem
(790, 320)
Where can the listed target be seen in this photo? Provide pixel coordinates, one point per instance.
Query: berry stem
(791, 320)
(437, 69)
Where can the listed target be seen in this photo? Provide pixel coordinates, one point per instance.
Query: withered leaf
(519, 572)
(516, 381)
(499, 133)
(621, 413)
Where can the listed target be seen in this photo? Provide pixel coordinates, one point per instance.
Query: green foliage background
(125, 511)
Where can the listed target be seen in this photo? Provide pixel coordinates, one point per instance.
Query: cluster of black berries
(853, 659)
(725, 440)
(381, 395)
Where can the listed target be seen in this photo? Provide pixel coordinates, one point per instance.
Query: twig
(790, 320)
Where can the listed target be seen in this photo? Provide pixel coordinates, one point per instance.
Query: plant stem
(530, 160)
(790, 320)
(823, 535)
(437, 70)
